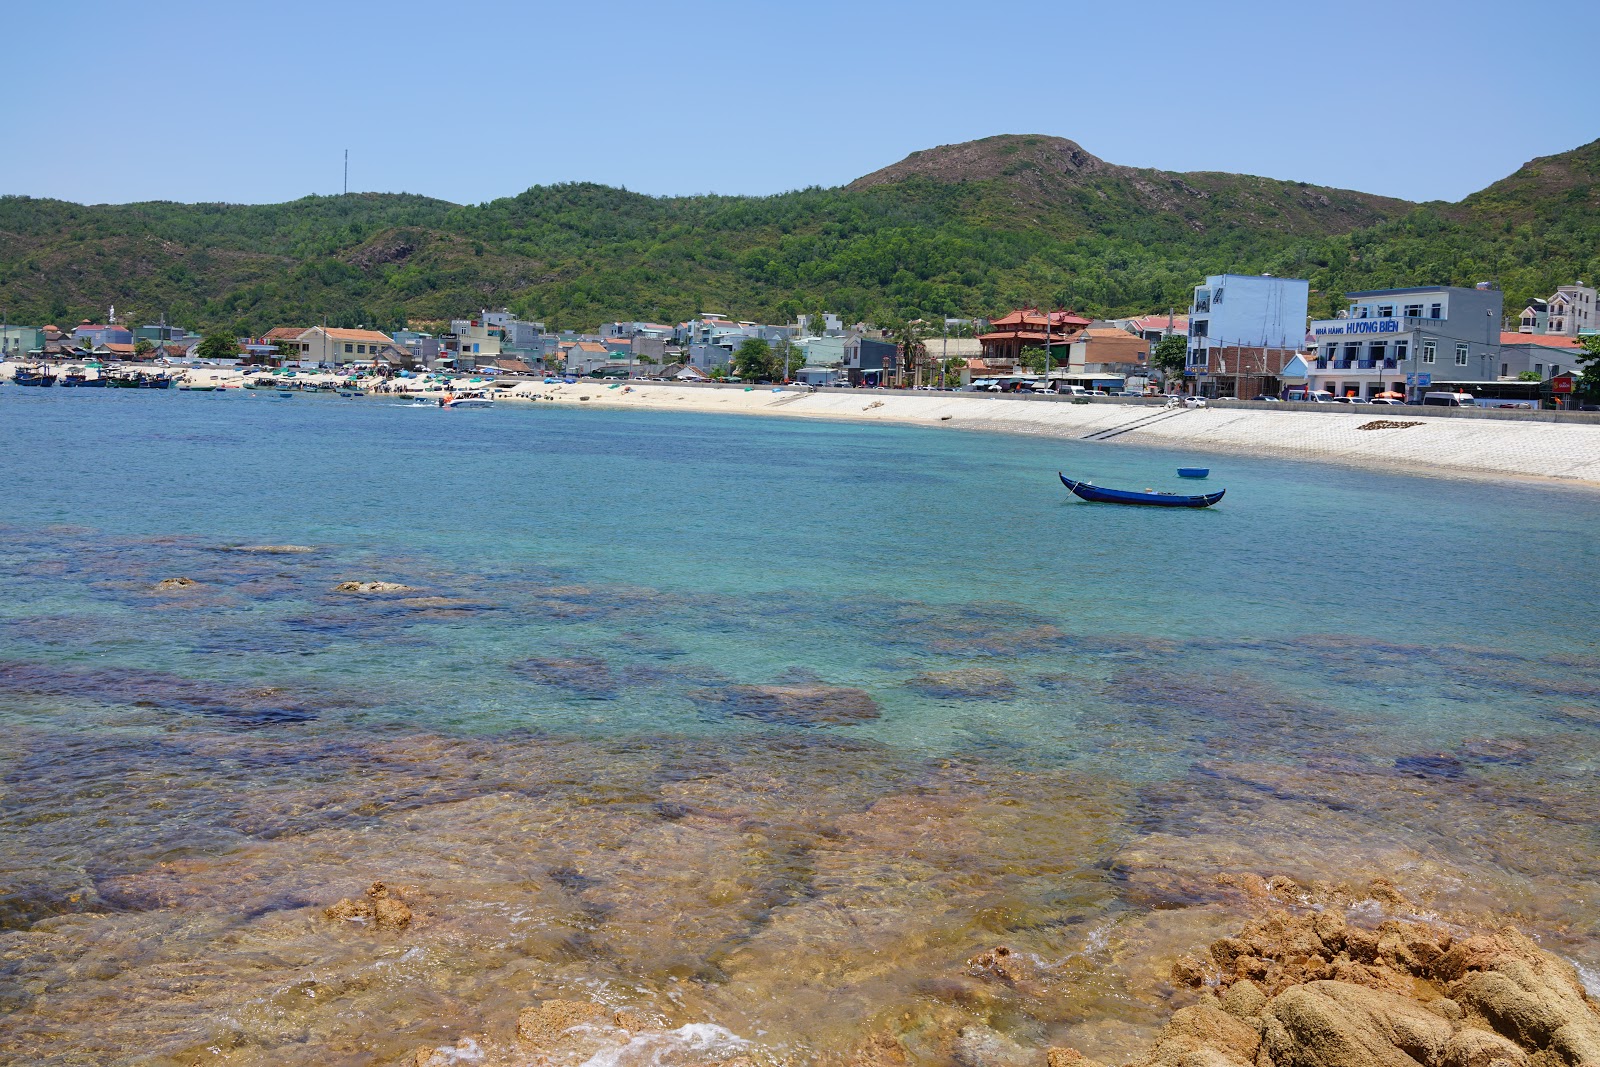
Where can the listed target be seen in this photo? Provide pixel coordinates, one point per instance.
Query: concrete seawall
(1522, 445)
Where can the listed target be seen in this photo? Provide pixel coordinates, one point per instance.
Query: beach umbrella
(1391, 395)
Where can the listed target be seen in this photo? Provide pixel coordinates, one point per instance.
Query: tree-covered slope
(971, 229)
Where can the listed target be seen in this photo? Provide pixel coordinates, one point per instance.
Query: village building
(1404, 342)
(1569, 312)
(326, 344)
(1029, 328)
(1243, 330)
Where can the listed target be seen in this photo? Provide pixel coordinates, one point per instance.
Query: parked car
(1386, 400)
(1194, 401)
(1268, 397)
(1225, 398)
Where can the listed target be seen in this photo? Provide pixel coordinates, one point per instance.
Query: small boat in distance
(1147, 498)
(1193, 472)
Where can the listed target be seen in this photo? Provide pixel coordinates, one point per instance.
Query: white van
(1448, 400)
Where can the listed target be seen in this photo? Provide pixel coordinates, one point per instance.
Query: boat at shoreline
(1147, 498)
(34, 376)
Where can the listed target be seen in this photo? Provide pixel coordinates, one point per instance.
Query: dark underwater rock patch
(970, 683)
(797, 704)
(250, 706)
(586, 676)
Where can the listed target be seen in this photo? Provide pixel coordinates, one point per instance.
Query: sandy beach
(1406, 439)
(1423, 443)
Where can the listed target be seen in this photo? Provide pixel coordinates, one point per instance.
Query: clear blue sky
(479, 99)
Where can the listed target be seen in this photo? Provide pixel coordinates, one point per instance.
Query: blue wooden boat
(1193, 472)
(34, 376)
(1147, 498)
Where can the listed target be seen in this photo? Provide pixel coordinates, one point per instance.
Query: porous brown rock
(1068, 1057)
(175, 585)
(543, 1025)
(1318, 991)
(371, 587)
(1336, 1024)
(382, 907)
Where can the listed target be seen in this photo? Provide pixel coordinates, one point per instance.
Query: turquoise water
(629, 636)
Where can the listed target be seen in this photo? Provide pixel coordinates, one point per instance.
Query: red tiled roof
(354, 335)
(1544, 340)
(1035, 317)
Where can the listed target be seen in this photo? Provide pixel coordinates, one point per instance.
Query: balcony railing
(1322, 364)
(1364, 364)
(1391, 363)
(1341, 364)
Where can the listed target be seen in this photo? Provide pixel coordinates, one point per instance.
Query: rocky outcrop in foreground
(1313, 991)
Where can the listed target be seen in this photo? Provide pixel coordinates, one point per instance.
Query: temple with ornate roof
(1031, 328)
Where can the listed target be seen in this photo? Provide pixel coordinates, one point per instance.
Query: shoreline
(1564, 454)
(1558, 454)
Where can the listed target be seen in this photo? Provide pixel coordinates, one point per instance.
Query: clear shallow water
(990, 713)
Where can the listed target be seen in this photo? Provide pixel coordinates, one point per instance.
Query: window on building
(1377, 351)
(348, 348)
(1199, 327)
(1427, 351)
(1461, 353)
(1505, 370)
(1216, 298)
(361, 350)
(1385, 311)
(1202, 300)
(1330, 352)
(1436, 311)
(1400, 351)
(1555, 369)
(1352, 351)
(1363, 312)
(1413, 311)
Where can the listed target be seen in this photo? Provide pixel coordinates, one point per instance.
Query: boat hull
(1097, 495)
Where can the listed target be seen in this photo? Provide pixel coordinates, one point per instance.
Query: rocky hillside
(1050, 171)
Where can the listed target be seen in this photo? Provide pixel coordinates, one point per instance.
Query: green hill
(973, 228)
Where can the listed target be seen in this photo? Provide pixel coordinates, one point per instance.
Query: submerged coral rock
(371, 587)
(542, 1026)
(813, 704)
(272, 550)
(383, 908)
(1068, 1057)
(971, 683)
(172, 585)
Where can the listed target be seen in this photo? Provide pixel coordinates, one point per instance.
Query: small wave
(464, 1051)
(1589, 977)
(687, 1044)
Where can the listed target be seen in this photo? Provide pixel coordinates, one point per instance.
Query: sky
(253, 102)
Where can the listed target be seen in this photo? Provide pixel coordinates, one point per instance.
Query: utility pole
(347, 172)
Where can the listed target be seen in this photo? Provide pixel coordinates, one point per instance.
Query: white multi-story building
(1258, 320)
(1569, 312)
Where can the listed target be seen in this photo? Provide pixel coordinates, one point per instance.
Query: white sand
(1461, 446)
(1439, 445)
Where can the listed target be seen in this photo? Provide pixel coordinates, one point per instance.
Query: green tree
(910, 338)
(788, 358)
(1530, 376)
(753, 359)
(218, 346)
(143, 346)
(1033, 358)
(1589, 380)
(1171, 353)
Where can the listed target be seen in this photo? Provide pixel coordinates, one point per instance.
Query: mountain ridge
(972, 228)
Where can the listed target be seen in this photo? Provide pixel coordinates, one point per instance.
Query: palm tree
(913, 351)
